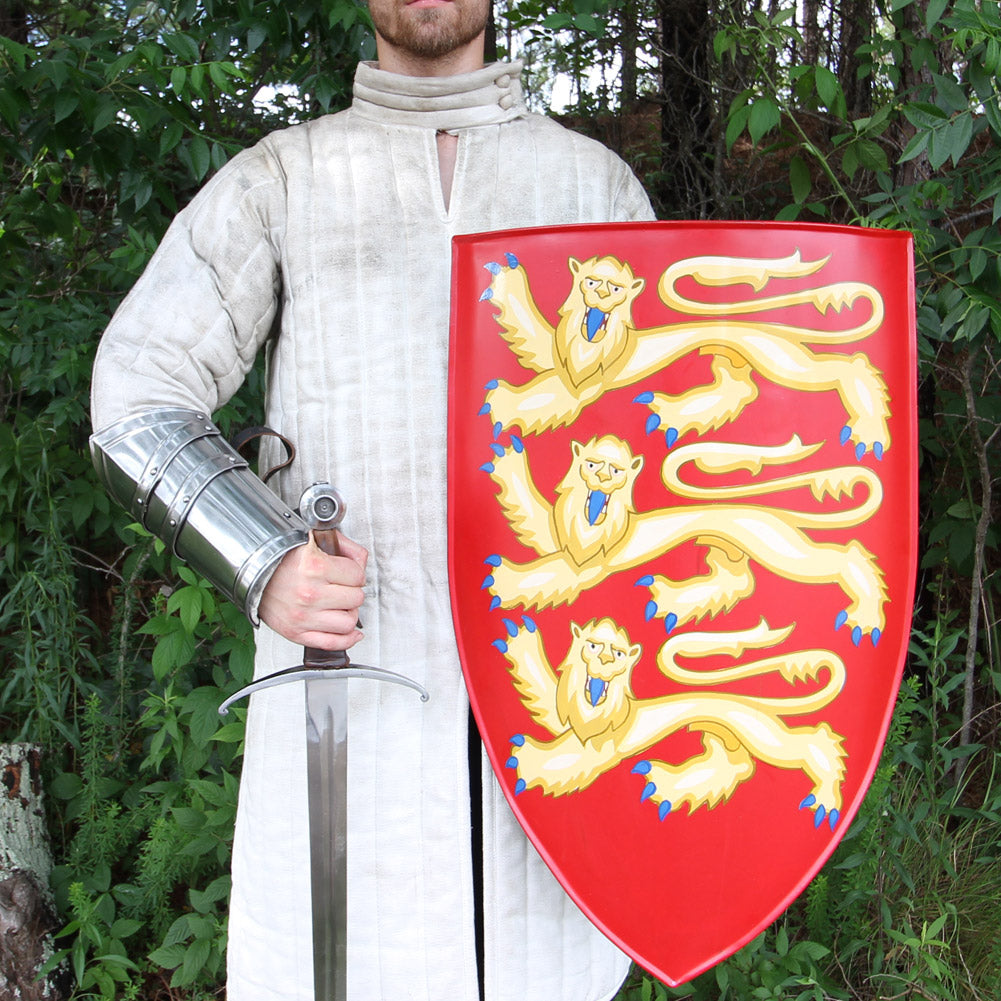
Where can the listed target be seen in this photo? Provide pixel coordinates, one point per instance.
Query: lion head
(596, 321)
(595, 498)
(593, 694)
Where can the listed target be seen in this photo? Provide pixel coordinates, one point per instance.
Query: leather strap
(248, 435)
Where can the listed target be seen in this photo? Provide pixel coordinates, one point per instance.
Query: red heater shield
(682, 531)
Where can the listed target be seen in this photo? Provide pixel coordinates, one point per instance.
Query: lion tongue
(595, 690)
(595, 318)
(595, 505)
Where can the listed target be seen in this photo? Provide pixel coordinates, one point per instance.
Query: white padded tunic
(329, 244)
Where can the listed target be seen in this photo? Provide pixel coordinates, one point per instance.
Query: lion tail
(726, 457)
(715, 272)
(798, 665)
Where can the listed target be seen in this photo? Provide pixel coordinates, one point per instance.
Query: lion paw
(500, 450)
(820, 811)
(849, 436)
(858, 631)
(655, 420)
(517, 742)
(512, 630)
(650, 792)
(652, 609)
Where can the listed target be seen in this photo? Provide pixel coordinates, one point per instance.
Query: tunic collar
(487, 96)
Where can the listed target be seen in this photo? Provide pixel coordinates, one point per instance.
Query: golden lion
(595, 347)
(593, 530)
(588, 707)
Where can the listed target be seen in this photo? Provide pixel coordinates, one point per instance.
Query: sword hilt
(322, 508)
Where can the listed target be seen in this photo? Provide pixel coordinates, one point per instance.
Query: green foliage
(112, 656)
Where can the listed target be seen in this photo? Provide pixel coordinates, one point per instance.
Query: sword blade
(327, 780)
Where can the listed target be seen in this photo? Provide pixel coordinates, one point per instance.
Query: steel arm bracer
(177, 475)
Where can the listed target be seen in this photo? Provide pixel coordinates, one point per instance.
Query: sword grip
(322, 508)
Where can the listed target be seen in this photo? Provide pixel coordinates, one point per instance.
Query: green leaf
(65, 104)
(169, 956)
(178, 78)
(936, 8)
(188, 818)
(917, 145)
(183, 46)
(194, 960)
(829, 88)
(764, 117)
(951, 93)
(799, 179)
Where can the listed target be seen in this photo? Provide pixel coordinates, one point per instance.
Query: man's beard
(435, 31)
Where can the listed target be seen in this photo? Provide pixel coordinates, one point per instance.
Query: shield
(682, 530)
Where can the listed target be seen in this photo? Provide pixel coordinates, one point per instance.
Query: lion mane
(593, 693)
(596, 324)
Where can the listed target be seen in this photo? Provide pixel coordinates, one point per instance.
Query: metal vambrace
(178, 476)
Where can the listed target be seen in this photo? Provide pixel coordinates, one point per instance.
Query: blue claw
(670, 437)
(846, 433)
(493, 267)
(519, 787)
(512, 629)
(832, 819)
(517, 444)
(512, 261)
(488, 293)
(641, 768)
(492, 384)
(493, 560)
(487, 467)
(860, 450)
(494, 602)
(529, 623)
(809, 801)
(497, 448)
(485, 409)
(670, 621)
(488, 581)
(498, 427)
(875, 636)
(841, 619)
(650, 611)
(818, 815)
(648, 790)
(645, 581)
(511, 762)
(500, 644)
(877, 450)
(857, 635)
(645, 397)
(665, 809)
(652, 423)
(518, 740)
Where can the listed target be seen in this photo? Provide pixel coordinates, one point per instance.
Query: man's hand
(313, 598)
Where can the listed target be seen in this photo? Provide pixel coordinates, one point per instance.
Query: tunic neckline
(488, 96)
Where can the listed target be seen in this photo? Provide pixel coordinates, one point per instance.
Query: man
(329, 245)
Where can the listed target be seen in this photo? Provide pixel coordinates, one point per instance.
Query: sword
(324, 672)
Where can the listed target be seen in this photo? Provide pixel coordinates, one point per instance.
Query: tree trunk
(27, 914)
(687, 121)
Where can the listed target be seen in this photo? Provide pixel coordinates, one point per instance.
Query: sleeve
(188, 332)
(632, 204)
